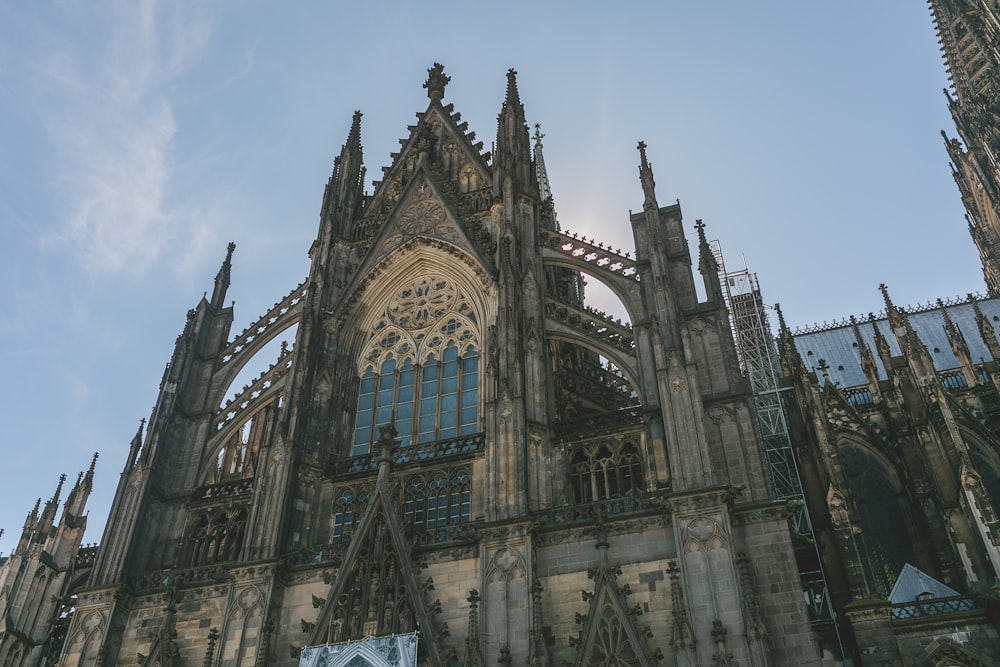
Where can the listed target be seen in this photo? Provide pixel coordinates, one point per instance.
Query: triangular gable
(426, 209)
(376, 589)
(441, 136)
(609, 634)
(913, 583)
(850, 418)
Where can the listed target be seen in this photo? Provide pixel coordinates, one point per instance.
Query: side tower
(969, 32)
(455, 445)
(39, 580)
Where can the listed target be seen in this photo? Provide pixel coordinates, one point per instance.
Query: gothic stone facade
(454, 444)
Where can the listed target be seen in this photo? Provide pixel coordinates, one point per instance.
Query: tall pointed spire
(512, 162)
(791, 360)
(544, 188)
(135, 446)
(868, 365)
(222, 278)
(344, 192)
(47, 520)
(76, 503)
(969, 31)
(646, 178)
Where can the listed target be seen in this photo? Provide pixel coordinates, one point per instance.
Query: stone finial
(436, 81)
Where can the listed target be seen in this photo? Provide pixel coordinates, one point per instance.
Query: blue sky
(139, 138)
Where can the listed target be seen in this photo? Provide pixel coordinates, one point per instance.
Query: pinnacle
(512, 95)
(354, 136)
(782, 327)
(642, 155)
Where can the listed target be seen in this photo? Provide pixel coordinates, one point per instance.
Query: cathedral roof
(912, 584)
(836, 343)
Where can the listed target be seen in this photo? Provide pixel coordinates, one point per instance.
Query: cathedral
(460, 462)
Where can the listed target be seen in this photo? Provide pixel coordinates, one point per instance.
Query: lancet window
(215, 535)
(349, 508)
(420, 368)
(237, 457)
(433, 503)
(605, 469)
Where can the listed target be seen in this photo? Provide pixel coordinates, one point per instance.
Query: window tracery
(435, 502)
(605, 469)
(420, 367)
(432, 504)
(349, 507)
(237, 457)
(215, 535)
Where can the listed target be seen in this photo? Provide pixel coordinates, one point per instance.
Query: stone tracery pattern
(419, 368)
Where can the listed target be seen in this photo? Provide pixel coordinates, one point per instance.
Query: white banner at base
(392, 651)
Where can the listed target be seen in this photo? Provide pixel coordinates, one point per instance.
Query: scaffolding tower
(758, 357)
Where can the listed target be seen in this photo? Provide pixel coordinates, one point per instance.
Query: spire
(791, 360)
(76, 503)
(436, 81)
(959, 346)
(222, 278)
(47, 520)
(544, 188)
(910, 345)
(646, 178)
(708, 266)
(881, 346)
(868, 365)
(512, 162)
(986, 330)
(969, 31)
(135, 446)
(344, 192)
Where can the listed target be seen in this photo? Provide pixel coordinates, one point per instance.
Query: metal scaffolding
(758, 357)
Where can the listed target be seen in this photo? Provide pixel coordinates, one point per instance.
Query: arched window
(605, 470)
(432, 503)
(420, 368)
(880, 513)
(349, 508)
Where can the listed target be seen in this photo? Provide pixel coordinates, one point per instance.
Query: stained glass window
(420, 368)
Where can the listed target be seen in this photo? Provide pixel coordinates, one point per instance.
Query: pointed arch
(418, 365)
(243, 625)
(875, 489)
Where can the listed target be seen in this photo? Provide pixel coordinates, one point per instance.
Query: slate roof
(838, 346)
(912, 583)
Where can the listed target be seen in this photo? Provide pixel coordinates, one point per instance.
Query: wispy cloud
(111, 118)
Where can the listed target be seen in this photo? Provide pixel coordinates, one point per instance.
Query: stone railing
(607, 421)
(181, 578)
(596, 254)
(85, 557)
(232, 489)
(934, 607)
(636, 503)
(416, 453)
(328, 553)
